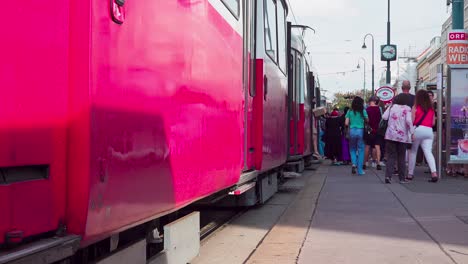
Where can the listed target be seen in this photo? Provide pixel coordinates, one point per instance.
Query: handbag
(367, 131)
(383, 125)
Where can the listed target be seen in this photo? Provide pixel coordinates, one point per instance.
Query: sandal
(434, 179)
(408, 178)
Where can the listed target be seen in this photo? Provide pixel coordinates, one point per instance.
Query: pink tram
(301, 94)
(117, 113)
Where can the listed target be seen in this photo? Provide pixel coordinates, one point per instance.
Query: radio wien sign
(457, 47)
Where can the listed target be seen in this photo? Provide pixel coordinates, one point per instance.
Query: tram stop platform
(332, 216)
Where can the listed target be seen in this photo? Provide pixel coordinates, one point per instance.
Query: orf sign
(457, 47)
(385, 94)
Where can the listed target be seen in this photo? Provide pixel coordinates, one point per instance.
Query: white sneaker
(382, 164)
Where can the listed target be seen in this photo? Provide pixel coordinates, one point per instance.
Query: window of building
(233, 6)
(270, 29)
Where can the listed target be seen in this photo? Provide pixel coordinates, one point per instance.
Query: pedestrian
(423, 116)
(355, 120)
(397, 136)
(321, 127)
(332, 137)
(345, 157)
(373, 140)
(405, 88)
(383, 106)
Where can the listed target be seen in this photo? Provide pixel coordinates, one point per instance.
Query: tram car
(116, 114)
(301, 94)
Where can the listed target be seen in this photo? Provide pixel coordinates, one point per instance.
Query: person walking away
(423, 116)
(397, 136)
(373, 140)
(383, 106)
(333, 133)
(355, 120)
(345, 156)
(405, 88)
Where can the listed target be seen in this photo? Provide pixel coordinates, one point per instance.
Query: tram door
(294, 93)
(248, 15)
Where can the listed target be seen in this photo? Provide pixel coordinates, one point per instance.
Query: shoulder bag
(384, 124)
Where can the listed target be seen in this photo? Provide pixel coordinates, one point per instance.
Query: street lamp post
(373, 70)
(359, 66)
(389, 74)
(458, 14)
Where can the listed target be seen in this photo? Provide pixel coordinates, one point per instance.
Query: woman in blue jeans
(355, 121)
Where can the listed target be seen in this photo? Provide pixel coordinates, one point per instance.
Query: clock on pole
(388, 52)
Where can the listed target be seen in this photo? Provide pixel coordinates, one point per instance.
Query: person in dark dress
(373, 141)
(345, 156)
(333, 133)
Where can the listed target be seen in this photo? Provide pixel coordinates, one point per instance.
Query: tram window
(270, 29)
(307, 82)
(298, 78)
(233, 6)
(281, 36)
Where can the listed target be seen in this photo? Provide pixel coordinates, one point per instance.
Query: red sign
(458, 36)
(385, 94)
(457, 47)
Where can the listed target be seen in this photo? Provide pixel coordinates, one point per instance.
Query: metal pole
(389, 75)
(458, 14)
(373, 59)
(364, 80)
(373, 68)
(440, 102)
(364, 61)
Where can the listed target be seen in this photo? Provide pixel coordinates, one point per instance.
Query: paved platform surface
(337, 217)
(237, 241)
(361, 220)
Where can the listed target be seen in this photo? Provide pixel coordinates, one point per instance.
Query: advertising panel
(458, 136)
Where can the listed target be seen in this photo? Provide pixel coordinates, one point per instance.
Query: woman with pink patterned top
(398, 135)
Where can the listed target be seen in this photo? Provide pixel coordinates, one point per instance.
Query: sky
(340, 28)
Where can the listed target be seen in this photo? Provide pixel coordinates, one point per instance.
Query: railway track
(210, 226)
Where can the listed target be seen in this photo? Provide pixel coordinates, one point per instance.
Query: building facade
(427, 64)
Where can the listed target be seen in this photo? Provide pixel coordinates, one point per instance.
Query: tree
(344, 99)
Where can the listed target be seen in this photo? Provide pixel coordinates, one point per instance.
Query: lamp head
(359, 66)
(364, 46)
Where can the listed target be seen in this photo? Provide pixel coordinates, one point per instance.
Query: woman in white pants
(423, 118)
